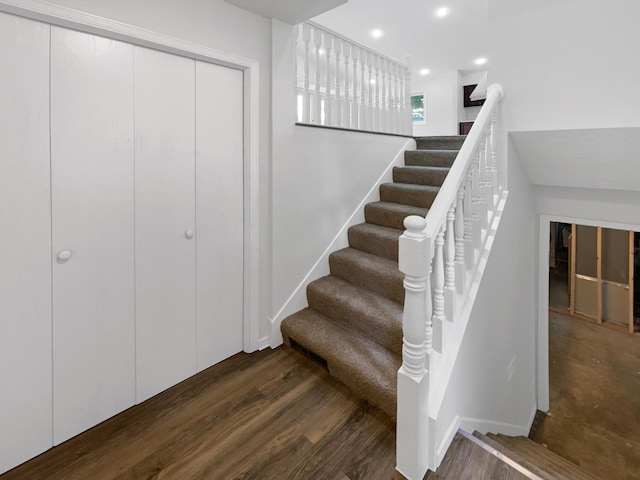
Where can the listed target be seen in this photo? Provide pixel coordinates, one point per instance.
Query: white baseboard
(263, 342)
(298, 299)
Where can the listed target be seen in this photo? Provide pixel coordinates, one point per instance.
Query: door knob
(63, 256)
(189, 234)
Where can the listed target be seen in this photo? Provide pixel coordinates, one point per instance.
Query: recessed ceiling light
(377, 33)
(442, 12)
(480, 61)
(424, 71)
(372, 81)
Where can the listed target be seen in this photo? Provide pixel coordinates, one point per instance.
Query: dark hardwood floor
(269, 415)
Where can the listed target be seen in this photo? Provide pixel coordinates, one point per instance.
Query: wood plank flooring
(269, 415)
(594, 384)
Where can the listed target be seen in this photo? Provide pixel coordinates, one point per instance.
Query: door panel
(165, 212)
(92, 206)
(219, 166)
(25, 217)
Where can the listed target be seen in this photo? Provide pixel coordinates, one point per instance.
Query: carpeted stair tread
(543, 457)
(361, 364)
(543, 474)
(420, 175)
(391, 215)
(451, 142)
(430, 158)
(360, 309)
(408, 194)
(370, 238)
(368, 271)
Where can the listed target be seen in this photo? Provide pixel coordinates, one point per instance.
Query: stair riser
(416, 197)
(418, 158)
(386, 329)
(440, 143)
(420, 175)
(376, 245)
(385, 283)
(386, 217)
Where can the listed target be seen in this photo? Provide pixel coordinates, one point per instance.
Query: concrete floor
(594, 417)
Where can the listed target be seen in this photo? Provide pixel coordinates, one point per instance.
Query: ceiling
(411, 27)
(290, 11)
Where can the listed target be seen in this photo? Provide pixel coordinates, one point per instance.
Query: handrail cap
(415, 224)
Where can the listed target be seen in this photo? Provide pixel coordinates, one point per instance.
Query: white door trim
(543, 293)
(85, 22)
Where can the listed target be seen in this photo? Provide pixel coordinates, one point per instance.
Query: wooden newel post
(414, 431)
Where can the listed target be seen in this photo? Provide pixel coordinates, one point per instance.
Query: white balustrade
(452, 244)
(341, 83)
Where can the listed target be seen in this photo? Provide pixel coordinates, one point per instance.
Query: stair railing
(341, 83)
(439, 256)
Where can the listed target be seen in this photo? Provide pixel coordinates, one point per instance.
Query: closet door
(165, 220)
(93, 230)
(219, 166)
(25, 281)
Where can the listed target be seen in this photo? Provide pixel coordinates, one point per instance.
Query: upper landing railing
(340, 83)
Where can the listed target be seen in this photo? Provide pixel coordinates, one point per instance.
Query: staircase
(535, 458)
(353, 325)
(478, 456)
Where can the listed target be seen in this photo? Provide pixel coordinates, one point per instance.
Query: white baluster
(354, 97)
(384, 106)
(406, 101)
(317, 114)
(482, 187)
(376, 104)
(497, 190)
(370, 91)
(428, 302)
(459, 234)
(346, 107)
(469, 253)
(306, 96)
(475, 211)
(413, 264)
(388, 111)
(328, 109)
(362, 122)
(337, 114)
(438, 280)
(450, 265)
(488, 176)
(398, 107)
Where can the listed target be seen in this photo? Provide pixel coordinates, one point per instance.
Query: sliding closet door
(219, 166)
(165, 220)
(25, 282)
(93, 230)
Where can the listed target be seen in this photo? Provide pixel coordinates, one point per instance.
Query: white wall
(441, 98)
(215, 24)
(319, 177)
(502, 327)
(566, 65)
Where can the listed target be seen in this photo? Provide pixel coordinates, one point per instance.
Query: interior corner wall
(566, 65)
(480, 393)
(441, 104)
(320, 176)
(221, 26)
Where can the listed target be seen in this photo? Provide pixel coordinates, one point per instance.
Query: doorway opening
(593, 345)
